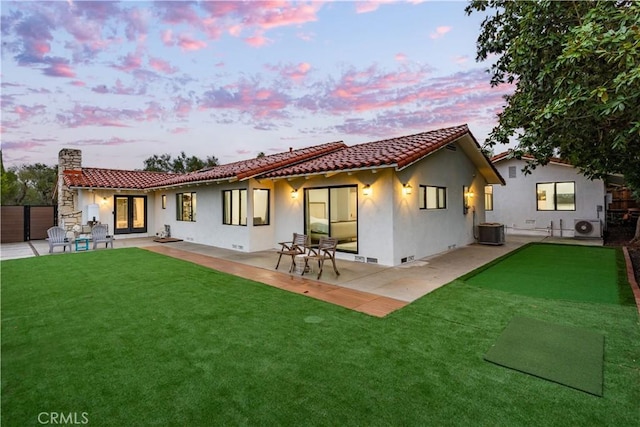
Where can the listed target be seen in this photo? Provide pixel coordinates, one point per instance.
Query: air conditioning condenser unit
(490, 233)
(587, 229)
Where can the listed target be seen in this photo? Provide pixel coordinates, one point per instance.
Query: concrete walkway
(397, 285)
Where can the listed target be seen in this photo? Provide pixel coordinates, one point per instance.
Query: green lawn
(130, 337)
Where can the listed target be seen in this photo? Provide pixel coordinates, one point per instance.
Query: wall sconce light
(104, 200)
(366, 190)
(294, 193)
(407, 189)
(467, 196)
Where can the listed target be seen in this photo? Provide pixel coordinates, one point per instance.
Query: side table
(82, 244)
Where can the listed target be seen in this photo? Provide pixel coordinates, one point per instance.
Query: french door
(130, 214)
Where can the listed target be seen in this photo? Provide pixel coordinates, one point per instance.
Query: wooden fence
(23, 223)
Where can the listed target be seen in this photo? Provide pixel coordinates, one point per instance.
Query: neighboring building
(553, 200)
(387, 201)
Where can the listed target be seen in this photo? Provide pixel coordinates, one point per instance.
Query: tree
(29, 184)
(181, 164)
(10, 188)
(576, 70)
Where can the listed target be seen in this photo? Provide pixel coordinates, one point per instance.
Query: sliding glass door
(333, 212)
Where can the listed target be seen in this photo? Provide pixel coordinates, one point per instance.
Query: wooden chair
(297, 246)
(57, 236)
(99, 234)
(325, 250)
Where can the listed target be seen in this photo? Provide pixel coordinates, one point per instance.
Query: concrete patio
(370, 288)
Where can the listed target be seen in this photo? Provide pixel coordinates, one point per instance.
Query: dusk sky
(123, 81)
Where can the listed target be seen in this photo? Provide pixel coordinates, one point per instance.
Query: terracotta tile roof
(507, 155)
(252, 167)
(395, 152)
(112, 178)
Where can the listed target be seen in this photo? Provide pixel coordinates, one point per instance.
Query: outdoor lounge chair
(58, 237)
(297, 246)
(99, 235)
(325, 250)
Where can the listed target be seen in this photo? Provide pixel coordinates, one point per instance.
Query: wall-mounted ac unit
(587, 229)
(491, 234)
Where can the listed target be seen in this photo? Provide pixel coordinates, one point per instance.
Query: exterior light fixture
(467, 196)
(294, 193)
(366, 190)
(407, 189)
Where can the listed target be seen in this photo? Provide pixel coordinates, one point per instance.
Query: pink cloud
(178, 131)
(162, 66)
(440, 32)
(293, 72)
(186, 42)
(87, 115)
(78, 83)
(461, 59)
(167, 37)
(258, 40)
(178, 12)
(59, 69)
(130, 62)
(248, 98)
(27, 113)
(286, 14)
(182, 106)
(400, 57)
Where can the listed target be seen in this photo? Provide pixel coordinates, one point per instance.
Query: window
(556, 196)
(260, 207)
(512, 171)
(186, 206)
(488, 197)
(234, 207)
(433, 197)
(164, 201)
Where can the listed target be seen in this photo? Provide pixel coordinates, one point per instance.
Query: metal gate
(23, 223)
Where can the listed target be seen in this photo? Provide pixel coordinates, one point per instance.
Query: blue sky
(123, 81)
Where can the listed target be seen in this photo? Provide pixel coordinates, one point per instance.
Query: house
(553, 200)
(387, 202)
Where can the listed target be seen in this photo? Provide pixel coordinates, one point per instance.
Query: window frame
(488, 198)
(268, 212)
(555, 196)
(232, 216)
(180, 207)
(441, 197)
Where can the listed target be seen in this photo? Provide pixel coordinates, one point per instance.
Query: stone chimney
(69, 161)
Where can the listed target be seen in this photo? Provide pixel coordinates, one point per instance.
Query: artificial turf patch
(563, 354)
(575, 273)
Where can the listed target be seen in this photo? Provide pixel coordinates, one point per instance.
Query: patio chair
(297, 246)
(99, 235)
(325, 250)
(57, 236)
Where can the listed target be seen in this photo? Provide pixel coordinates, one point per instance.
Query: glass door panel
(130, 214)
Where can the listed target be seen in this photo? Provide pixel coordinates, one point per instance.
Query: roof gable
(248, 168)
(507, 155)
(395, 152)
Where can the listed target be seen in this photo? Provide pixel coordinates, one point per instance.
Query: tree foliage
(181, 164)
(29, 184)
(576, 70)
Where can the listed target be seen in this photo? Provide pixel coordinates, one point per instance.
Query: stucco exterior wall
(423, 232)
(208, 228)
(515, 204)
(392, 229)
